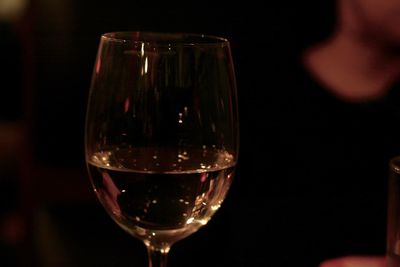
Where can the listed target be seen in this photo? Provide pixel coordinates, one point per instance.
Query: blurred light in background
(12, 10)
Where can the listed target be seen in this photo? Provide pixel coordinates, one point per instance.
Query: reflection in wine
(161, 195)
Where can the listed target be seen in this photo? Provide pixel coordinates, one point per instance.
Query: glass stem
(157, 256)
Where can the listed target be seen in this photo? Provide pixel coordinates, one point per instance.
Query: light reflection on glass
(180, 118)
(146, 65)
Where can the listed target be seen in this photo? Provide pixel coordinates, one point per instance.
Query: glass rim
(167, 39)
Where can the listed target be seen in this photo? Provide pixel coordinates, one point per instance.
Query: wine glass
(161, 137)
(393, 214)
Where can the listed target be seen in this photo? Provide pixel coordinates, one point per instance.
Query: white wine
(161, 194)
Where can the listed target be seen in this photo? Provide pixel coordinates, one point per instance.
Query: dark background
(66, 37)
(47, 58)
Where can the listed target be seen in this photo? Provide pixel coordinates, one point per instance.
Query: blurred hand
(356, 261)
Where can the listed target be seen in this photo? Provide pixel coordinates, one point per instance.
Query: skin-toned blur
(355, 261)
(373, 21)
(359, 62)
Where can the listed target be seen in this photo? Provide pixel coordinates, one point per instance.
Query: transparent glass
(393, 225)
(161, 137)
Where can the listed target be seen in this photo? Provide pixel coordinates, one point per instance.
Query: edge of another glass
(394, 164)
